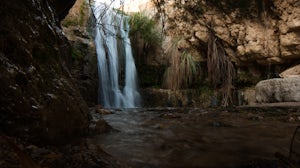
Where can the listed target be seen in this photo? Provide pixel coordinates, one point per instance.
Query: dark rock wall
(39, 100)
(62, 7)
(79, 28)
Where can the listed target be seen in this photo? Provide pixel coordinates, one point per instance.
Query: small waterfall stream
(116, 67)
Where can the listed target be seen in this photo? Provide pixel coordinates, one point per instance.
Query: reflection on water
(195, 137)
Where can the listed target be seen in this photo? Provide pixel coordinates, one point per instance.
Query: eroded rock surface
(78, 26)
(39, 100)
(262, 32)
(278, 90)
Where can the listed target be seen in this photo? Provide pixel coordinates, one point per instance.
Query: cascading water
(114, 51)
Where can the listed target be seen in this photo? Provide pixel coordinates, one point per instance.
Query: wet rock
(101, 110)
(181, 98)
(79, 29)
(170, 115)
(220, 124)
(39, 100)
(99, 126)
(78, 155)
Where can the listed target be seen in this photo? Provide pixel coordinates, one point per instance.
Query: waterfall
(116, 68)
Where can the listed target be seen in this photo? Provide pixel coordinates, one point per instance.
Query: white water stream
(116, 68)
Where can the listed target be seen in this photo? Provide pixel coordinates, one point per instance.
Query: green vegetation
(77, 19)
(150, 75)
(77, 54)
(187, 67)
(246, 78)
(182, 67)
(144, 28)
(83, 8)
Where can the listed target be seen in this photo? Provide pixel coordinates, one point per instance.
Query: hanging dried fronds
(181, 69)
(171, 77)
(220, 69)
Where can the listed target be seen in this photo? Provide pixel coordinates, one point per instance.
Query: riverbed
(191, 137)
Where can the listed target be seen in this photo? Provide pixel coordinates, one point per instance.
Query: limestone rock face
(278, 90)
(259, 32)
(39, 101)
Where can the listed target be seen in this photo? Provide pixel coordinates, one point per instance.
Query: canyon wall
(261, 38)
(39, 101)
(259, 32)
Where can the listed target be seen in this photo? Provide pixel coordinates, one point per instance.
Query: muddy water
(197, 137)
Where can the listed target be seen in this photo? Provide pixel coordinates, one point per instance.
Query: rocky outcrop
(261, 32)
(78, 26)
(261, 38)
(39, 100)
(203, 97)
(278, 90)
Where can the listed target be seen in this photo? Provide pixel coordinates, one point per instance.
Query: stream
(178, 137)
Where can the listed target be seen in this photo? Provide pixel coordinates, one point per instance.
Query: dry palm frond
(220, 69)
(171, 77)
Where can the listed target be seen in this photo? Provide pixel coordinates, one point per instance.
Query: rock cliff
(39, 100)
(261, 38)
(79, 28)
(260, 32)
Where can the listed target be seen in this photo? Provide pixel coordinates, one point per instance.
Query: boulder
(291, 72)
(278, 90)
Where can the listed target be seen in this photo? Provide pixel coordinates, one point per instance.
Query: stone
(265, 40)
(278, 90)
(102, 110)
(39, 100)
(246, 96)
(99, 126)
(291, 72)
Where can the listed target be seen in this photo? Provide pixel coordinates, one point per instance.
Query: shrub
(182, 67)
(144, 27)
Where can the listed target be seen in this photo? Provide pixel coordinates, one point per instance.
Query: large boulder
(278, 90)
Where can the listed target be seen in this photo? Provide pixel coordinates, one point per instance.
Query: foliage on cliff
(143, 28)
